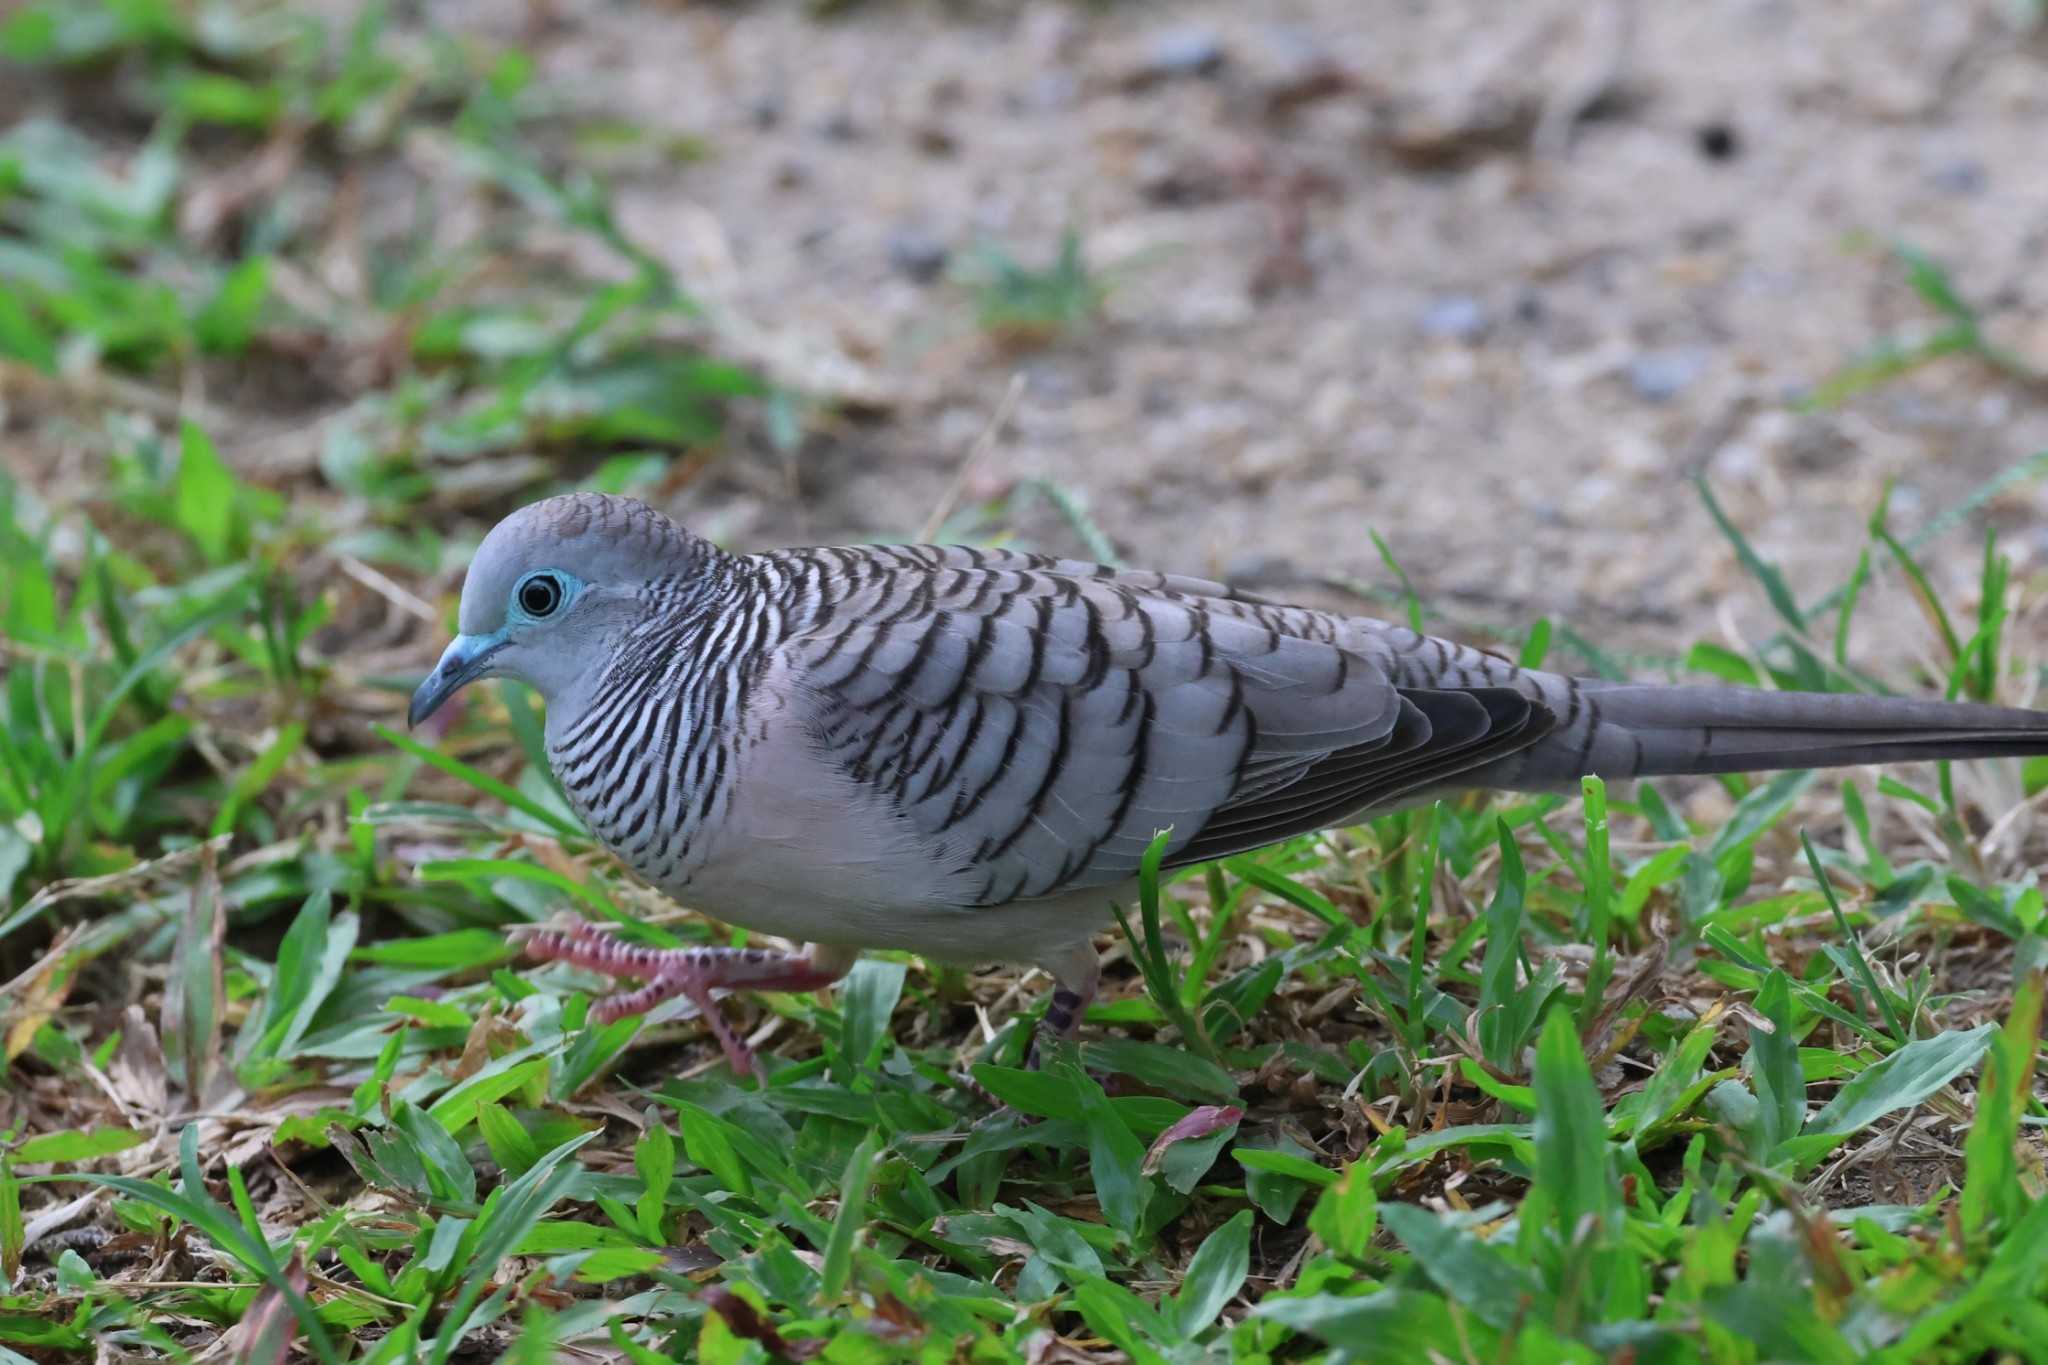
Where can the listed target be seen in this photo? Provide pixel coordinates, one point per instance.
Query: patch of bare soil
(1495, 281)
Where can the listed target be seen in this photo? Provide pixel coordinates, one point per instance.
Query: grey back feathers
(988, 727)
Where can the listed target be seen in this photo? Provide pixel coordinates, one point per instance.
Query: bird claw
(689, 972)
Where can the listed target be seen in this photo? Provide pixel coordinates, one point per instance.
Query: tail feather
(1630, 730)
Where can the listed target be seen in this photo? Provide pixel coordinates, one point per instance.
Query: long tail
(1636, 730)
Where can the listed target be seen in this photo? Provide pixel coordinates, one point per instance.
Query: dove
(966, 752)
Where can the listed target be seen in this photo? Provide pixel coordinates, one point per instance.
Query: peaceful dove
(966, 752)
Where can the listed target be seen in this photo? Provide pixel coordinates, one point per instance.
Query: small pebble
(1178, 181)
(1815, 445)
(1589, 495)
(917, 254)
(1455, 317)
(1962, 178)
(1052, 380)
(1718, 141)
(1049, 33)
(934, 139)
(1659, 376)
(1255, 570)
(1297, 68)
(1921, 412)
(1185, 52)
(1293, 45)
(839, 127)
(1051, 90)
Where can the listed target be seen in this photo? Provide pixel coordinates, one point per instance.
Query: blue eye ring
(540, 595)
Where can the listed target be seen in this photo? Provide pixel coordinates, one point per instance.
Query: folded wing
(1039, 721)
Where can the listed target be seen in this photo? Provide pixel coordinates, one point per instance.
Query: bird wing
(1037, 722)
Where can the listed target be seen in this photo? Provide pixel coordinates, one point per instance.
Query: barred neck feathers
(651, 760)
(811, 585)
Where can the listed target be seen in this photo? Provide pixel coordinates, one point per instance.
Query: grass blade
(1854, 944)
(1903, 1079)
(1992, 1192)
(847, 1224)
(1570, 1136)
(195, 996)
(483, 782)
(1599, 898)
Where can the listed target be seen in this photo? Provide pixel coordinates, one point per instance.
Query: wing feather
(1037, 722)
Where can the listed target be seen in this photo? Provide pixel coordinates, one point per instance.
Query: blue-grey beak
(460, 663)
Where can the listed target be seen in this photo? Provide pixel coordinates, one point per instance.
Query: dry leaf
(193, 996)
(265, 1334)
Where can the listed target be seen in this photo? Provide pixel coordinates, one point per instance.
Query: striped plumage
(966, 752)
(648, 761)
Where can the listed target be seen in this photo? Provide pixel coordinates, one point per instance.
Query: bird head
(552, 587)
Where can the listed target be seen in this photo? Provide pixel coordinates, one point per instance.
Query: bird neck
(648, 748)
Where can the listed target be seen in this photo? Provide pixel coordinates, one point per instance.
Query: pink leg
(1075, 976)
(690, 972)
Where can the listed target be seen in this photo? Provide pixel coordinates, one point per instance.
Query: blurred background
(1214, 287)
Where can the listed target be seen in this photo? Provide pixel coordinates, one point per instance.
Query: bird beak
(460, 664)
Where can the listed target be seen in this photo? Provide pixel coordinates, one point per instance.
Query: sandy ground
(1497, 287)
(1497, 282)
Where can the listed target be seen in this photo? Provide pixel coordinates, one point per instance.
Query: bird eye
(540, 595)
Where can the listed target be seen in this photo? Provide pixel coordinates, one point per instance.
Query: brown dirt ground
(1424, 268)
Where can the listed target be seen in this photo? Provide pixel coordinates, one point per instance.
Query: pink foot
(689, 972)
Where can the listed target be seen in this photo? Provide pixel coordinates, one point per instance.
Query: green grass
(1960, 333)
(1027, 306)
(1604, 1076)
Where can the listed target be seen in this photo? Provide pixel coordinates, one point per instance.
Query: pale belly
(834, 867)
(803, 853)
